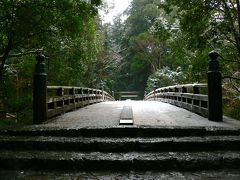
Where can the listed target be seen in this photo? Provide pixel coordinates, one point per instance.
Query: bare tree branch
(231, 78)
(29, 36)
(232, 3)
(229, 39)
(4, 17)
(232, 84)
(236, 88)
(22, 54)
(233, 61)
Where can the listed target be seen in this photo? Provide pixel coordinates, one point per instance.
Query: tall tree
(26, 25)
(134, 50)
(67, 32)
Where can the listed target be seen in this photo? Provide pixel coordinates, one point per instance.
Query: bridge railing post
(40, 91)
(101, 86)
(215, 112)
(155, 86)
(196, 90)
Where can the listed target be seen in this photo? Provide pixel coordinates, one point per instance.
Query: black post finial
(213, 63)
(213, 55)
(40, 66)
(40, 57)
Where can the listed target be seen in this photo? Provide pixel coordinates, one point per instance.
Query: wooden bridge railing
(62, 99)
(192, 97)
(50, 101)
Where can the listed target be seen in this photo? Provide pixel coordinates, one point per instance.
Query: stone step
(143, 144)
(123, 175)
(58, 160)
(123, 131)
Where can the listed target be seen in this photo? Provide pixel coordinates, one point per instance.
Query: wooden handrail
(62, 99)
(192, 97)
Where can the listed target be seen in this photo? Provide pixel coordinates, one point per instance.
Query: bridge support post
(215, 112)
(40, 91)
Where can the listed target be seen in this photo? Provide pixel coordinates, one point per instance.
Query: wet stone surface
(145, 113)
(148, 175)
(108, 144)
(119, 161)
(104, 114)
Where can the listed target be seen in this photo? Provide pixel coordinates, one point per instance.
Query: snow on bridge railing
(62, 99)
(192, 97)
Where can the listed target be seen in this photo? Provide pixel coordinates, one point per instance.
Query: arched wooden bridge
(175, 132)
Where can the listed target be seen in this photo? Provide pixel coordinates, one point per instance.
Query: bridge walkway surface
(145, 113)
(164, 142)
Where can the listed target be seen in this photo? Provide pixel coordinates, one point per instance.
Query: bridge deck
(145, 113)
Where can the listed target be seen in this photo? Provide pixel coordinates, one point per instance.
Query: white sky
(119, 7)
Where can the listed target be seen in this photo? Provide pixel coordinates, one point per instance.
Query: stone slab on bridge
(145, 113)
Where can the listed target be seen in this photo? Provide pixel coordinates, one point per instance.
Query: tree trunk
(238, 38)
(4, 58)
(238, 14)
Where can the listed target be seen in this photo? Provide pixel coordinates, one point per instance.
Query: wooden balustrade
(192, 97)
(62, 99)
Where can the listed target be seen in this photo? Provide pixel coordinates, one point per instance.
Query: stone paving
(145, 113)
(148, 175)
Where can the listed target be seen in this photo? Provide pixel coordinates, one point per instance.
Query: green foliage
(96, 2)
(158, 37)
(135, 44)
(6, 123)
(207, 25)
(35, 24)
(64, 29)
(232, 109)
(149, 48)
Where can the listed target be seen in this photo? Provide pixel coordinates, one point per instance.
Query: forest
(153, 40)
